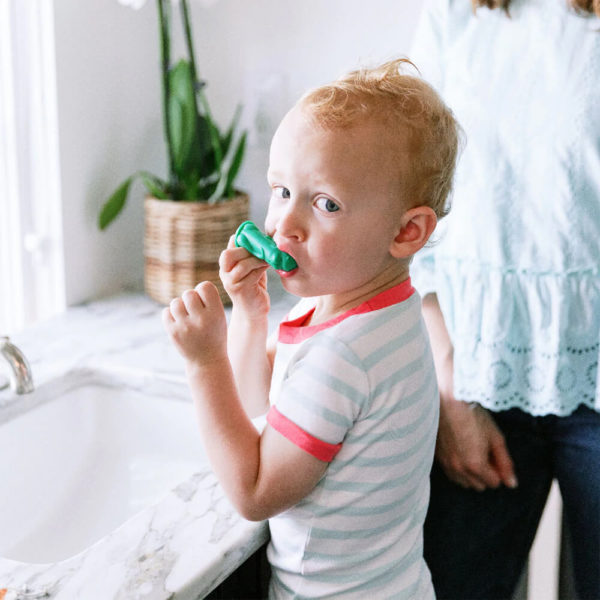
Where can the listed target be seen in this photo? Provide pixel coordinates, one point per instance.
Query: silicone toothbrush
(249, 236)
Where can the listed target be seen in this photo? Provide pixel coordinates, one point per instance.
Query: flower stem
(185, 15)
(165, 53)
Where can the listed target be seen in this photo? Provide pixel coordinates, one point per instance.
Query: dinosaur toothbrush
(249, 236)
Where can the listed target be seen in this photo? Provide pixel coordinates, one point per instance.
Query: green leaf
(236, 163)
(215, 140)
(203, 155)
(190, 188)
(113, 206)
(226, 139)
(156, 187)
(175, 119)
(230, 164)
(208, 191)
(182, 115)
(213, 131)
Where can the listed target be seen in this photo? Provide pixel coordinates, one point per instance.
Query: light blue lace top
(516, 265)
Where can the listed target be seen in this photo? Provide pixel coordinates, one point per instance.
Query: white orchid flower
(137, 4)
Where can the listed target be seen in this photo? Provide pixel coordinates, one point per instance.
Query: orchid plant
(203, 161)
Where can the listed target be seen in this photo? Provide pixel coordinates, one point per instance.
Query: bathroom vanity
(107, 493)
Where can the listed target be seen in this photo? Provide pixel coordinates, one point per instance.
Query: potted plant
(190, 215)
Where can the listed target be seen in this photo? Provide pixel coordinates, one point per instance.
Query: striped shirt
(360, 393)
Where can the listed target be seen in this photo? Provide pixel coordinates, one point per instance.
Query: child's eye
(281, 191)
(327, 205)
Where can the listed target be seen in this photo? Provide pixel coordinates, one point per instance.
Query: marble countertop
(183, 546)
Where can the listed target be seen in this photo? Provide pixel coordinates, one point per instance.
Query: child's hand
(245, 279)
(197, 325)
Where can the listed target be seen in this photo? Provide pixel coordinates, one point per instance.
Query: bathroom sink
(92, 449)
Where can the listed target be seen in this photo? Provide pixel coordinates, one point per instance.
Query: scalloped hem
(526, 340)
(539, 384)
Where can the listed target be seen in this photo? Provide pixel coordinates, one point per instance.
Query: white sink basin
(95, 449)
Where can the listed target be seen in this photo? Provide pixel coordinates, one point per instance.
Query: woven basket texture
(183, 241)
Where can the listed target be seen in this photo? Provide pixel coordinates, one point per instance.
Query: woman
(512, 289)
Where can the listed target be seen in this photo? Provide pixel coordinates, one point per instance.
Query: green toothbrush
(249, 236)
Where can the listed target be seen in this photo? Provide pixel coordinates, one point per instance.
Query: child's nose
(289, 222)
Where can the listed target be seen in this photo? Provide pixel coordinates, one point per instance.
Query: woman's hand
(245, 279)
(197, 325)
(471, 448)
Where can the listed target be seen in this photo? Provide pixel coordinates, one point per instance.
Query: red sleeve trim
(318, 448)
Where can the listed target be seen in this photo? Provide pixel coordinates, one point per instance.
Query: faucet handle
(4, 381)
(21, 380)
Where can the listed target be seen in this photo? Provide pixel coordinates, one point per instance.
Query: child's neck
(332, 305)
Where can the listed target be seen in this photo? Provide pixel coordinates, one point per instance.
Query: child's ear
(416, 225)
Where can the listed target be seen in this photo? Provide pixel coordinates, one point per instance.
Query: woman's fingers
(503, 462)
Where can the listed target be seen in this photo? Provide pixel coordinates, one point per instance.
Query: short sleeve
(321, 396)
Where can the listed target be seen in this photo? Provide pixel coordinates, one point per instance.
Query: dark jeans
(477, 543)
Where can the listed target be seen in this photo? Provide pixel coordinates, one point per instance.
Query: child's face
(335, 206)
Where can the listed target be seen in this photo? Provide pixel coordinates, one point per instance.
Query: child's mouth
(286, 274)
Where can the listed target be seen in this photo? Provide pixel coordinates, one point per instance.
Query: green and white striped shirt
(360, 393)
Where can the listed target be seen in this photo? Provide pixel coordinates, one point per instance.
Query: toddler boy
(360, 171)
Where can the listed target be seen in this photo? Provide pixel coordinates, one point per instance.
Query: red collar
(294, 331)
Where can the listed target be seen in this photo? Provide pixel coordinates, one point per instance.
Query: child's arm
(261, 474)
(244, 277)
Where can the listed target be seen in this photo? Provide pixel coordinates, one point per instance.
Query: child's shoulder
(359, 330)
(395, 330)
(380, 323)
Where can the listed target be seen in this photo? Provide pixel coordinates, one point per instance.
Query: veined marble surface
(183, 546)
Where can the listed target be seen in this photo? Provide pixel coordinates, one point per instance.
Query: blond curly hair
(590, 7)
(418, 123)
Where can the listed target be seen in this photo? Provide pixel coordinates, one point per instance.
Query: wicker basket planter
(183, 241)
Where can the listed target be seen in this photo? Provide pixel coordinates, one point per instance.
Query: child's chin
(292, 284)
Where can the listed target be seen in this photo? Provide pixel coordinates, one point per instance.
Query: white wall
(108, 99)
(265, 54)
(260, 53)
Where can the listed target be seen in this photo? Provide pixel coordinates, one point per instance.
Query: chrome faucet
(21, 381)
